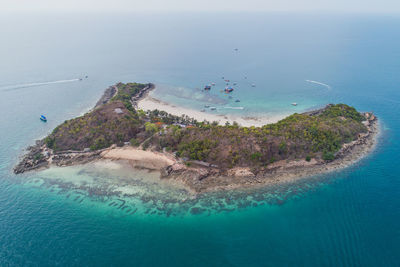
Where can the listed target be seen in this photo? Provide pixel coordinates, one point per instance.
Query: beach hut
(118, 111)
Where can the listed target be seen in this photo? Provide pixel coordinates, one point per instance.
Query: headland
(206, 156)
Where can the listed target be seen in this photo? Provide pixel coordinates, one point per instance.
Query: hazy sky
(338, 6)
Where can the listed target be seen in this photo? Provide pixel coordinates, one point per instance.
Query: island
(206, 156)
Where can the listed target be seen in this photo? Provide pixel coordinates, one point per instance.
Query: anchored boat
(228, 90)
(43, 118)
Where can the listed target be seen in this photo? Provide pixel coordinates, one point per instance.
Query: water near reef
(105, 214)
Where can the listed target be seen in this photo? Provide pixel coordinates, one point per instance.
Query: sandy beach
(150, 103)
(139, 158)
(199, 177)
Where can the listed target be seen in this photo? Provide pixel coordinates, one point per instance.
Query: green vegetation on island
(318, 134)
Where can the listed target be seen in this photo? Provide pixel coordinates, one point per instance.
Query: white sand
(151, 103)
(139, 158)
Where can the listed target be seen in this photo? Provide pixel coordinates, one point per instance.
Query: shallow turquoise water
(348, 218)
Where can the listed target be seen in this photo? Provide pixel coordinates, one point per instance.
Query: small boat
(207, 106)
(228, 89)
(43, 118)
(213, 84)
(213, 108)
(203, 110)
(86, 77)
(227, 81)
(234, 83)
(207, 87)
(294, 104)
(253, 85)
(80, 79)
(237, 100)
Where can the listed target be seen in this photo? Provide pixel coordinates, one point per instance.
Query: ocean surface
(109, 215)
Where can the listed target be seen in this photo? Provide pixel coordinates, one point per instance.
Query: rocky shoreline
(142, 94)
(39, 156)
(200, 179)
(197, 176)
(109, 93)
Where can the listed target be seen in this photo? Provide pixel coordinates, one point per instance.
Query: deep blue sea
(59, 217)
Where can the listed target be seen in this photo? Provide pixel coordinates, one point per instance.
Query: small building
(180, 125)
(118, 111)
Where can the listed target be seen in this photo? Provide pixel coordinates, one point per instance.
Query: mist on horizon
(106, 6)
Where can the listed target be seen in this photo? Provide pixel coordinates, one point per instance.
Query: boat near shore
(200, 176)
(43, 118)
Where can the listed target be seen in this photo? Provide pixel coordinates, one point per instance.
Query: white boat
(294, 104)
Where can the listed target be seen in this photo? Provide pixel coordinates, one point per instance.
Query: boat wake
(26, 85)
(319, 83)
